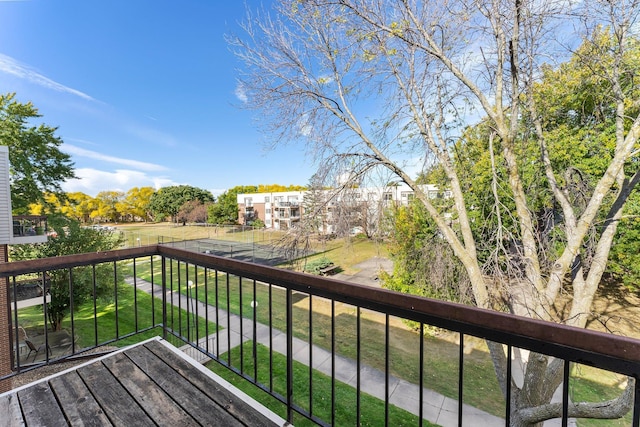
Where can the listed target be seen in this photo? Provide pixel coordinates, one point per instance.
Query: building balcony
(287, 204)
(30, 292)
(29, 229)
(309, 348)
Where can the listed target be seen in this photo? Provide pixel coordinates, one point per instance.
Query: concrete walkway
(437, 408)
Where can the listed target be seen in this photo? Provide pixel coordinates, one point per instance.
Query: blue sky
(143, 92)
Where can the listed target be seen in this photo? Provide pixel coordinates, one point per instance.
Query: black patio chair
(33, 348)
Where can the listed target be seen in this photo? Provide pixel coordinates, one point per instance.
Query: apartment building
(359, 209)
(278, 210)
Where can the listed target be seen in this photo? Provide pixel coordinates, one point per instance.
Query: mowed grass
(129, 320)
(343, 252)
(151, 233)
(348, 253)
(441, 358)
(588, 384)
(313, 396)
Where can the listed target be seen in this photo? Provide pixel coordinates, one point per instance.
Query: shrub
(316, 265)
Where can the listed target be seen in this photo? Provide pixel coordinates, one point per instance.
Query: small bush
(316, 265)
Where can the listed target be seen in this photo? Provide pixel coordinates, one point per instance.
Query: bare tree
(371, 83)
(192, 211)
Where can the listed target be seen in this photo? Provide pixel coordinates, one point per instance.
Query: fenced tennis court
(243, 243)
(259, 253)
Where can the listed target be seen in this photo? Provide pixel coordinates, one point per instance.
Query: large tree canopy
(167, 201)
(136, 203)
(372, 83)
(37, 164)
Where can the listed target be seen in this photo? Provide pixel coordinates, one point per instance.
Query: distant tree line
(178, 203)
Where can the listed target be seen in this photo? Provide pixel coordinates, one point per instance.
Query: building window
(387, 196)
(266, 199)
(267, 211)
(406, 196)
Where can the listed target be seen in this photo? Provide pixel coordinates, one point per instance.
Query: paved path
(436, 407)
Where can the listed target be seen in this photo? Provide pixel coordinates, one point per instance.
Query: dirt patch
(616, 310)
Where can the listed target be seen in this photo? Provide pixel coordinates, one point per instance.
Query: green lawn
(372, 410)
(129, 319)
(343, 252)
(440, 357)
(149, 234)
(584, 387)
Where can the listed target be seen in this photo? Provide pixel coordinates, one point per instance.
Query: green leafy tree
(579, 124)
(257, 223)
(38, 166)
(167, 201)
(225, 210)
(70, 239)
(423, 264)
(379, 82)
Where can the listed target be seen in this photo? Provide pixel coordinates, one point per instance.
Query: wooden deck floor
(149, 384)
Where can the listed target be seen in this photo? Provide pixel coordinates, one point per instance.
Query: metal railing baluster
(608, 352)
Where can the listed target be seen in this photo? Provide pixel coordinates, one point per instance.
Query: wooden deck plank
(113, 397)
(11, 413)
(157, 404)
(146, 385)
(232, 403)
(40, 407)
(77, 402)
(201, 407)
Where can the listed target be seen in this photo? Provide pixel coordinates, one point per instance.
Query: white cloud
(92, 181)
(241, 93)
(81, 152)
(11, 66)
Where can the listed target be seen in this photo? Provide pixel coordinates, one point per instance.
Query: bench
(328, 270)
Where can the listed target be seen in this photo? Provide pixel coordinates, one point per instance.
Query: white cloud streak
(12, 66)
(92, 181)
(81, 152)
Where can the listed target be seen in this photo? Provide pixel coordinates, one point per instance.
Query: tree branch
(609, 410)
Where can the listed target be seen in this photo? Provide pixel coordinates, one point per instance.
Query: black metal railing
(309, 342)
